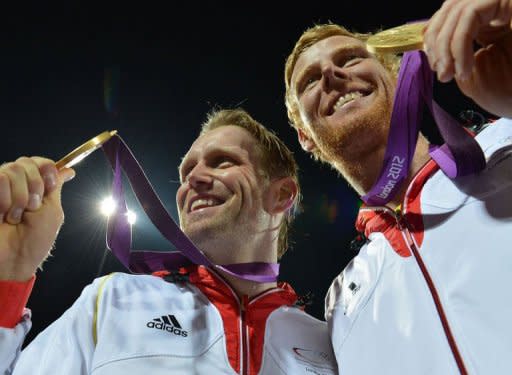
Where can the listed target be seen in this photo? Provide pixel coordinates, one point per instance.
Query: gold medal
(84, 150)
(398, 39)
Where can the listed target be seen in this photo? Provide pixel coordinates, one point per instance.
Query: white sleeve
(11, 341)
(64, 347)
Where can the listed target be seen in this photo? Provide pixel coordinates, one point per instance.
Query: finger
(462, 44)
(55, 178)
(49, 173)
(35, 183)
(445, 60)
(494, 12)
(66, 174)
(486, 16)
(5, 195)
(432, 31)
(19, 191)
(491, 70)
(473, 19)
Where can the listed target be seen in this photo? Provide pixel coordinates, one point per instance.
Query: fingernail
(50, 180)
(441, 66)
(34, 201)
(432, 62)
(459, 72)
(497, 23)
(69, 176)
(16, 214)
(441, 70)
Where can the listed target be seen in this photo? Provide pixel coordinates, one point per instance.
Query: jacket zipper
(244, 365)
(404, 228)
(244, 336)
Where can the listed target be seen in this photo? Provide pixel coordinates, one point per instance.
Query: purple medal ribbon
(119, 237)
(459, 156)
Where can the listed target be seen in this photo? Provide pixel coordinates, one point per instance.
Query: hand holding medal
(460, 155)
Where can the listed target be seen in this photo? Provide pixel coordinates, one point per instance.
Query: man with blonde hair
(427, 292)
(238, 194)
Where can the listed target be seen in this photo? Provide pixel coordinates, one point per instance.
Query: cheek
(306, 109)
(225, 180)
(180, 197)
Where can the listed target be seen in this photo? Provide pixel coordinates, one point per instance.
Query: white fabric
(380, 311)
(127, 345)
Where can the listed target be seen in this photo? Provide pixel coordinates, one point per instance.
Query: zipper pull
(400, 219)
(304, 300)
(245, 302)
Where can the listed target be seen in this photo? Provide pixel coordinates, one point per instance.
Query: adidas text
(167, 328)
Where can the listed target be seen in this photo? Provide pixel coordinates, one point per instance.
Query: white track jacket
(429, 292)
(142, 324)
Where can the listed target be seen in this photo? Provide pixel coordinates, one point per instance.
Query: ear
(282, 194)
(305, 141)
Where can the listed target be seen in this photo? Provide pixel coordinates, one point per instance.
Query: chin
(340, 147)
(200, 230)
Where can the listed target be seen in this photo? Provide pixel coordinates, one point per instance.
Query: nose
(332, 75)
(200, 177)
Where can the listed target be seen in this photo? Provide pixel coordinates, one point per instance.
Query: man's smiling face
(222, 185)
(345, 97)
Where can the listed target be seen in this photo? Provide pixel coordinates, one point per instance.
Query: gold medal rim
(394, 48)
(87, 147)
(377, 43)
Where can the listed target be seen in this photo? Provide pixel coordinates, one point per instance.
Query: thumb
(66, 174)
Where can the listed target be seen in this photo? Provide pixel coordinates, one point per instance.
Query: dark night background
(153, 72)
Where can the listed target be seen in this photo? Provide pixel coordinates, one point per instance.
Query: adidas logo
(168, 323)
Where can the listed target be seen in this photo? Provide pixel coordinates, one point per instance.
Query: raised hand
(485, 75)
(30, 214)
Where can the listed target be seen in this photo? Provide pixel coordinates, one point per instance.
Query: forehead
(229, 137)
(325, 49)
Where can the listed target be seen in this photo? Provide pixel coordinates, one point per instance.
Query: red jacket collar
(247, 317)
(215, 287)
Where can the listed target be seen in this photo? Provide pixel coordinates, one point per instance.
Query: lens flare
(108, 206)
(131, 217)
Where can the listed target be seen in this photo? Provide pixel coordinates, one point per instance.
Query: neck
(264, 250)
(246, 287)
(362, 172)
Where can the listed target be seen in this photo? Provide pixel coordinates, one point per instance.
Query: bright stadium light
(108, 206)
(131, 216)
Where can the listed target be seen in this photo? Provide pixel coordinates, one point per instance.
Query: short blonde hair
(276, 158)
(312, 36)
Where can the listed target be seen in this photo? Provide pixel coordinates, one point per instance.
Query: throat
(363, 172)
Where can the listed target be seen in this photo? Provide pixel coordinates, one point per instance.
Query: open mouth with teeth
(346, 99)
(201, 203)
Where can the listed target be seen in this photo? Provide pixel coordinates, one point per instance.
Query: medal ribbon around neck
(460, 155)
(119, 237)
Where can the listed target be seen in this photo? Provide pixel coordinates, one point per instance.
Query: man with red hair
(428, 291)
